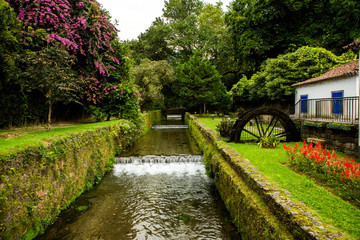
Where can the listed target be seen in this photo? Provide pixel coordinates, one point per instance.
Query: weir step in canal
(160, 159)
(156, 190)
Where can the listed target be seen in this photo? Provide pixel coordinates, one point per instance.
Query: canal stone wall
(260, 210)
(39, 182)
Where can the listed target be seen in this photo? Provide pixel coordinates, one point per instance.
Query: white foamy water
(170, 127)
(174, 169)
(159, 159)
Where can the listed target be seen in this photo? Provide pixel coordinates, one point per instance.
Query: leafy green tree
(264, 29)
(152, 77)
(182, 16)
(240, 92)
(15, 105)
(10, 36)
(123, 102)
(274, 82)
(303, 64)
(48, 71)
(187, 26)
(215, 42)
(12, 104)
(153, 44)
(199, 82)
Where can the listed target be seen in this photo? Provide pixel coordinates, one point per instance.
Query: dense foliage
(12, 104)
(83, 29)
(200, 83)
(263, 29)
(185, 27)
(274, 81)
(49, 72)
(252, 48)
(153, 78)
(257, 45)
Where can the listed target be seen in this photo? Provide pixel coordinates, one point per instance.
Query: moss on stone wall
(39, 182)
(259, 209)
(152, 117)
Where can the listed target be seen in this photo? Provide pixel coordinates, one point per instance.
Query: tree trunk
(200, 110)
(49, 116)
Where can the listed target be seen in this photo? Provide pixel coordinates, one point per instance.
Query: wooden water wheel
(264, 122)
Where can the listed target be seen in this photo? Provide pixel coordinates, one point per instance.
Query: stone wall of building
(340, 137)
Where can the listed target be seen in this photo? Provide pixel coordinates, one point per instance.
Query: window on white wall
(337, 102)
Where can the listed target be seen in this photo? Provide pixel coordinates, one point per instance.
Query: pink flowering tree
(85, 30)
(118, 96)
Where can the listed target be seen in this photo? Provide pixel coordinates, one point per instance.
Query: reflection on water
(149, 197)
(149, 201)
(165, 142)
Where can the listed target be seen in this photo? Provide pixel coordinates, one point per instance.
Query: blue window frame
(304, 104)
(337, 102)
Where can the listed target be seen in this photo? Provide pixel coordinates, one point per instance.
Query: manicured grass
(209, 122)
(20, 139)
(328, 207)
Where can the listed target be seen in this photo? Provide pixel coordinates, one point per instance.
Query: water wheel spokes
(264, 122)
(251, 133)
(272, 124)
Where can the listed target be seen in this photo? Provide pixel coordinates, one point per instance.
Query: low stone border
(273, 214)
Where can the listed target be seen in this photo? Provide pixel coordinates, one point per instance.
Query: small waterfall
(169, 126)
(159, 159)
(173, 117)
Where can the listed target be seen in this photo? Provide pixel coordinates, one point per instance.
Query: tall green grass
(26, 139)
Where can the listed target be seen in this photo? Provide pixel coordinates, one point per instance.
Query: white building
(331, 97)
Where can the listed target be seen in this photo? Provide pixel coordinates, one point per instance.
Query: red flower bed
(326, 166)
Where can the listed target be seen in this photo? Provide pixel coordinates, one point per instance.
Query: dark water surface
(157, 190)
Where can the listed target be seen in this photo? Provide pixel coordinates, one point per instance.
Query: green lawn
(328, 207)
(12, 141)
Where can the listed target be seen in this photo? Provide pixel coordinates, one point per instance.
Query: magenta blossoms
(82, 26)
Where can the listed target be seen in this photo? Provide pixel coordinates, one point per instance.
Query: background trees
(265, 29)
(153, 44)
(199, 83)
(152, 77)
(12, 105)
(186, 27)
(254, 46)
(49, 72)
(273, 83)
(256, 49)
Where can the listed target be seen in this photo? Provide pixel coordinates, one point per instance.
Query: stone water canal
(157, 190)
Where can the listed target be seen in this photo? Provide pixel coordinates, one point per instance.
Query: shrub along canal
(156, 190)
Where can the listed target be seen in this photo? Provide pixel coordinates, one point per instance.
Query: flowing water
(157, 190)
